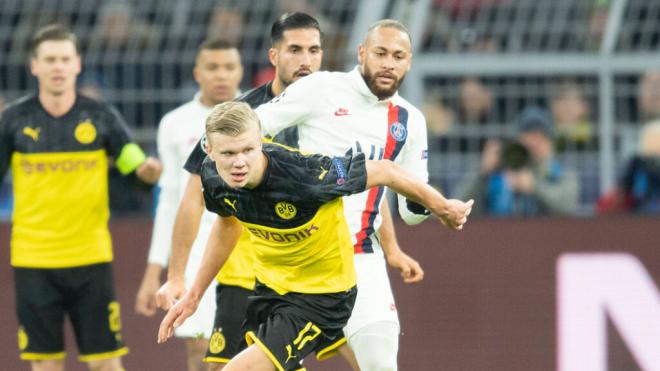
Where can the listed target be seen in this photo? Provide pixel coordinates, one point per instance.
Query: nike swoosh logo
(341, 112)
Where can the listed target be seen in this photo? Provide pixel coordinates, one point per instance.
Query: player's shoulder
(179, 114)
(415, 115)
(257, 96)
(403, 102)
(20, 107)
(290, 160)
(320, 79)
(209, 175)
(86, 103)
(282, 153)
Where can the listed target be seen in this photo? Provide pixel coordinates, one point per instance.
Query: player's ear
(33, 66)
(360, 54)
(272, 56)
(196, 73)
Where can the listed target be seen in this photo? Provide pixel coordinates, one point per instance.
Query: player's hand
(145, 300)
(169, 293)
(455, 213)
(175, 317)
(149, 171)
(411, 271)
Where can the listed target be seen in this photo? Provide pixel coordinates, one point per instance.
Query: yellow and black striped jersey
(295, 218)
(60, 175)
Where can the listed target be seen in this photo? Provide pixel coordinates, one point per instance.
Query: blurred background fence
(591, 63)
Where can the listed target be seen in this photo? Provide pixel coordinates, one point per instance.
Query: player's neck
(277, 87)
(57, 105)
(208, 102)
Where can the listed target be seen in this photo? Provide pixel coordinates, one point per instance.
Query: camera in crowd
(514, 156)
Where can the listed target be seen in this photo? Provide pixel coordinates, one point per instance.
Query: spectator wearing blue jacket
(523, 177)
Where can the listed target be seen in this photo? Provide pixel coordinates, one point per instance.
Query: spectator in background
(439, 117)
(639, 187)
(475, 102)
(597, 24)
(570, 112)
(523, 177)
(649, 96)
(118, 29)
(226, 23)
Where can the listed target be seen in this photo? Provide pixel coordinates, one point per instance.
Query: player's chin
(238, 183)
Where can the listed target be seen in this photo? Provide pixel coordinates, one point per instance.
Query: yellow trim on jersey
(292, 149)
(42, 356)
(330, 351)
(251, 338)
(60, 209)
(238, 270)
(98, 356)
(215, 360)
(314, 258)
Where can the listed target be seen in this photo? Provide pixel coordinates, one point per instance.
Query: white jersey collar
(358, 82)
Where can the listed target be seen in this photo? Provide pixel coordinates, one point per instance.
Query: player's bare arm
(452, 212)
(410, 270)
(149, 171)
(145, 300)
(184, 232)
(224, 236)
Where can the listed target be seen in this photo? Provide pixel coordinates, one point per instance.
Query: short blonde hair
(231, 118)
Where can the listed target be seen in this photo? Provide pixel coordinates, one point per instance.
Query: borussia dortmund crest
(217, 342)
(285, 210)
(85, 132)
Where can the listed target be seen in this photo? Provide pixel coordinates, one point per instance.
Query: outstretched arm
(453, 213)
(224, 236)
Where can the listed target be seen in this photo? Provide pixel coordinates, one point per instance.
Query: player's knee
(110, 364)
(196, 348)
(373, 362)
(375, 346)
(48, 365)
(215, 366)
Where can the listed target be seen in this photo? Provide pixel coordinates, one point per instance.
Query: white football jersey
(178, 133)
(336, 112)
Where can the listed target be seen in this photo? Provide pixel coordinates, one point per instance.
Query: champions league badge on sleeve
(398, 132)
(202, 143)
(341, 172)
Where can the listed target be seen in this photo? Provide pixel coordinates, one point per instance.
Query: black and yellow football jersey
(295, 218)
(60, 175)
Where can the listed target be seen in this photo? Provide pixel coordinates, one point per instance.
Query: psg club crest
(398, 131)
